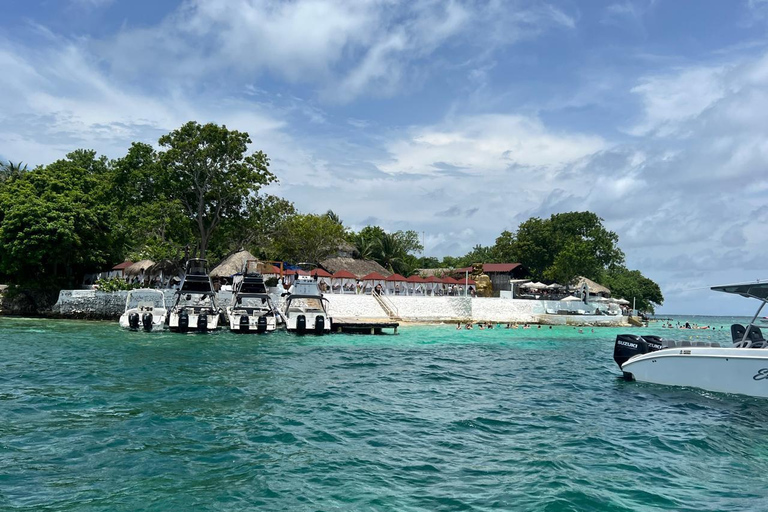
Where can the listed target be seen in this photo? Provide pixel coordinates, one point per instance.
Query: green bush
(115, 284)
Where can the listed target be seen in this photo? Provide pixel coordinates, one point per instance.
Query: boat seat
(685, 344)
(669, 344)
(702, 344)
(714, 344)
(755, 335)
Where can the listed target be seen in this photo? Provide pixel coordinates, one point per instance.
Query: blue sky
(457, 119)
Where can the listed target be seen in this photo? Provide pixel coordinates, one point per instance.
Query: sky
(456, 119)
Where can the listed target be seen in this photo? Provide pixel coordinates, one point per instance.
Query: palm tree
(333, 216)
(365, 248)
(389, 252)
(10, 170)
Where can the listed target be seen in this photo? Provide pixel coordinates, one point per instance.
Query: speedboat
(252, 309)
(144, 310)
(741, 368)
(195, 308)
(305, 309)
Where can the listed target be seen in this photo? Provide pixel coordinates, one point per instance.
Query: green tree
(153, 225)
(256, 228)
(308, 238)
(562, 247)
(56, 222)
(632, 285)
(207, 169)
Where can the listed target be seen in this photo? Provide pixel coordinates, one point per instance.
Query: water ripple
(94, 418)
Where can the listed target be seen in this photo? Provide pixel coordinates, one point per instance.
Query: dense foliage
(200, 195)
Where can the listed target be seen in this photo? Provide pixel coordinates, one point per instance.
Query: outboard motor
(629, 345)
(319, 324)
(261, 324)
(202, 322)
(133, 320)
(183, 321)
(654, 342)
(301, 324)
(146, 321)
(244, 323)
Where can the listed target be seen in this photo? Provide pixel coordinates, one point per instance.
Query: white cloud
(488, 145)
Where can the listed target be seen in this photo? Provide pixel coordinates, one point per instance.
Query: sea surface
(432, 419)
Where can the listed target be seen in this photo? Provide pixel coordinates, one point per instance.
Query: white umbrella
(570, 298)
(554, 286)
(625, 302)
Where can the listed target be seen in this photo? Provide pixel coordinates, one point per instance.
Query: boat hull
(157, 324)
(292, 322)
(211, 324)
(741, 371)
(237, 326)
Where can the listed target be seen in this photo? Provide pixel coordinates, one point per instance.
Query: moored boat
(741, 368)
(195, 308)
(252, 309)
(305, 310)
(144, 310)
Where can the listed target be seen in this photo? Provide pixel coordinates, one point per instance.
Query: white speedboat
(195, 308)
(741, 368)
(304, 310)
(252, 309)
(144, 310)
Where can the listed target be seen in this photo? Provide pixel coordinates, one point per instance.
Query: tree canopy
(55, 222)
(207, 169)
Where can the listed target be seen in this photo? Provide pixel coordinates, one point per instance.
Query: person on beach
(458, 326)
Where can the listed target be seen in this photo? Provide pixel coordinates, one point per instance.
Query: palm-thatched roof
(594, 288)
(138, 267)
(167, 267)
(232, 264)
(359, 268)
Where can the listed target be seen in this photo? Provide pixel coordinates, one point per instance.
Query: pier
(355, 326)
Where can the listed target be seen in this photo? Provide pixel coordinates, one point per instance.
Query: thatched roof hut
(232, 264)
(594, 288)
(359, 268)
(138, 267)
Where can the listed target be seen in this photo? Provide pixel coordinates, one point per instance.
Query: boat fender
(301, 324)
(319, 324)
(627, 346)
(202, 322)
(133, 320)
(244, 323)
(261, 324)
(146, 321)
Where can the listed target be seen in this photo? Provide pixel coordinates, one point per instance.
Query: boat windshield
(306, 305)
(252, 302)
(145, 300)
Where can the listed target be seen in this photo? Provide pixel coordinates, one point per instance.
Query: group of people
(489, 325)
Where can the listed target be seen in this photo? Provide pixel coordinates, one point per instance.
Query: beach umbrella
(396, 277)
(320, 273)
(570, 298)
(344, 274)
(623, 302)
(554, 286)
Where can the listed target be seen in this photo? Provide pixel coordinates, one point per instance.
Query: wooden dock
(354, 326)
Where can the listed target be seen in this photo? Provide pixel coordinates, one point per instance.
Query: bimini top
(752, 290)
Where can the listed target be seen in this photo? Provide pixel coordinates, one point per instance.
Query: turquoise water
(95, 418)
